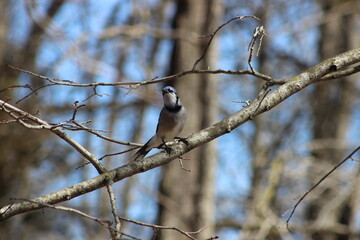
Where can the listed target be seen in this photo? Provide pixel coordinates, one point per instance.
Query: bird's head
(170, 96)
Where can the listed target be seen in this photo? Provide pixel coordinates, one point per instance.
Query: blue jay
(171, 121)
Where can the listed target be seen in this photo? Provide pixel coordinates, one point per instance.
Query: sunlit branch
(259, 105)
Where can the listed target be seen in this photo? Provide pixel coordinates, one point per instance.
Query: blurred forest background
(240, 185)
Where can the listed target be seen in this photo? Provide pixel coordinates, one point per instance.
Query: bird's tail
(140, 154)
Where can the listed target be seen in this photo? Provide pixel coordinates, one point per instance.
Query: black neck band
(175, 108)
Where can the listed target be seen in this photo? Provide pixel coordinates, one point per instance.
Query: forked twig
(212, 35)
(259, 33)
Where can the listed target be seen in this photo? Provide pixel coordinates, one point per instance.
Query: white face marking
(170, 99)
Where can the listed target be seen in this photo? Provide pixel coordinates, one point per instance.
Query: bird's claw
(181, 139)
(166, 148)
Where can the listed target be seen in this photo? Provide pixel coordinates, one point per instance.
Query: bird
(171, 122)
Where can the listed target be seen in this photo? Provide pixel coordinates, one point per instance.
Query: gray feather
(171, 122)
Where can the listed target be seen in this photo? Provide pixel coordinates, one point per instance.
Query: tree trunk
(19, 147)
(332, 106)
(190, 196)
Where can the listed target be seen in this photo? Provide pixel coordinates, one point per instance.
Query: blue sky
(233, 178)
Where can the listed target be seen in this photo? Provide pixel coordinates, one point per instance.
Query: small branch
(318, 183)
(76, 108)
(261, 96)
(154, 80)
(33, 122)
(16, 86)
(212, 35)
(95, 132)
(34, 92)
(7, 121)
(107, 155)
(95, 94)
(103, 222)
(247, 102)
(110, 191)
(159, 227)
(259, 33)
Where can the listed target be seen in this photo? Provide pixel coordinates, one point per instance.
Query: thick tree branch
(258, 106)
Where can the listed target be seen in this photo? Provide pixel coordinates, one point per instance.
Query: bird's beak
(164, 92)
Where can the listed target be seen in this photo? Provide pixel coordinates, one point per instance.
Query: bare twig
(159, 227)
(110, 191)
(34, 91)
(95, 94)
(318, 183)
(259, 33)
(212, 35)
(103, 222)
(247, 102)
(107, 155)
(271, 81)
(95, 132)
(118, 153)
(16, 86)
(154, 80)
(76, 108)
(34, 122)
(7, 121)
(261, 96)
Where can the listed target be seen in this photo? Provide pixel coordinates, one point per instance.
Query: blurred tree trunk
(265, 168)
(332, 106)
(190, 195)
(19, 147)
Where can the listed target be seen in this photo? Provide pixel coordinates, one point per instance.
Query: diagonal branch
(318, 183)
(32, 122)
(258, 106)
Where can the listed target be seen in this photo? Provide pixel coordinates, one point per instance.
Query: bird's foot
(181, 139)
(166, 148)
